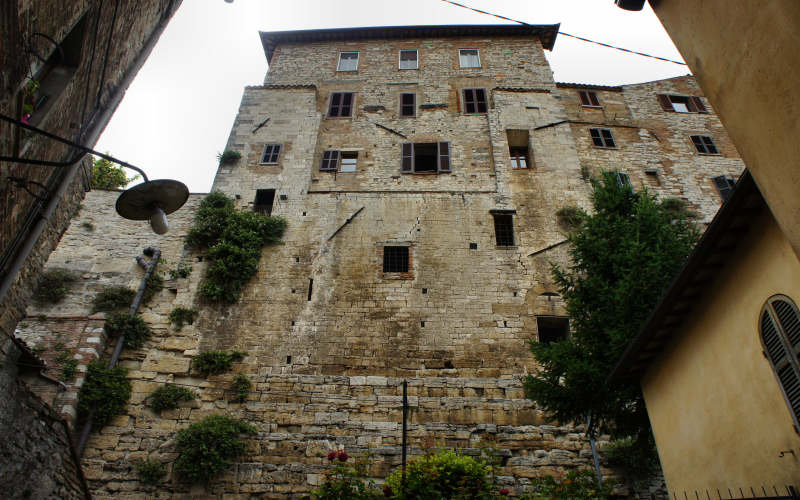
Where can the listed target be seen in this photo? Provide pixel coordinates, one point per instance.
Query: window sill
(606, 147)
(591, 107)
(506, 247)
(338, 117)
(709, 154)
(269, 164)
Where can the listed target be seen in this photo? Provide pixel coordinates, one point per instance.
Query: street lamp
(152, 200)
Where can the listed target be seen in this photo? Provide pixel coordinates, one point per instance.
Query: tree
(107, 175)
(623, 258)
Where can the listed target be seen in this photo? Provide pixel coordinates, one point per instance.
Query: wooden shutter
(407, 165)
(724, 186)
(666, 104)
(347, 104)
(608, 138)
(444, 157)
(597, 139)
(336, 99)
(698, 144)
(780, 336)
(330, 160)
(584, 98)
(469, 101)
(480, 100)
(698, 105)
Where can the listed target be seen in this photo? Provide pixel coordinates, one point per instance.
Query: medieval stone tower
(421, 171)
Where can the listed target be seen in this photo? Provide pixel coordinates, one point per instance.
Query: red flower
(343, 456)
(332, 456)
(505, 492)
(387, 491)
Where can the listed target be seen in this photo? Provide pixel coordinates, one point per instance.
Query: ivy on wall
(207, 447)
(107, 390)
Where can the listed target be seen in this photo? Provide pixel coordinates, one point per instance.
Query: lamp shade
(142, 200)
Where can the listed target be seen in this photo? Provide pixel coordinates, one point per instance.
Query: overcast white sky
(178, 112)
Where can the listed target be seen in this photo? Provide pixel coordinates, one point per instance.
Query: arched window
(780, 337)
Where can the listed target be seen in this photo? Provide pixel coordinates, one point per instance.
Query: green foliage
(113, 298)
(181, 271)
(636, 459)
(54, 286)
(107, 175)
(444, 475)
(241, 387)
(216, 362)
(571, 216)
(181, 316)
(154, 284)
(678, 207)
(150, 471)
(345, 481)
(167, 397)
(207, 447)
(69, 366)
(107, 390)
(234, 240)
(623, 258)
(133, 327)
(579, 484)
(228, 157)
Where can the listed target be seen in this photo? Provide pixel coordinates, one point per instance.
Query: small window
(518, 148)
(408, 104)
(552, 328)
(263, 201)
(504, 229)
(271, 154)
(348, 61)
(589, 98)
(681, 103)
(704, 144)
(348, 161)
(425, 157)
(469, 58)
(341, 105)
(330, 160)
(409, 59)
(602, 138)
(519, 157)
(780, 338)
(724, 186)
(623, 179)
(474, 101)
(395, 259)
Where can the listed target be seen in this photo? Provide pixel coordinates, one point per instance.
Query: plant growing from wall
(54, 286)
(107, 175)
(153, 285)
(181, 271)
(133, 327)
(180, 316)
(69, 366)
(113, 298)
(216, 362)
(107, 390)
(241, 388)
(228, 157)
(577, 484)
(570, 217)
(444, 474)
(150, 472)
(167, 397)
(207, 447)
(233, 241)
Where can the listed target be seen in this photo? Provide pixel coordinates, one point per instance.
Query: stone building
(421, 171)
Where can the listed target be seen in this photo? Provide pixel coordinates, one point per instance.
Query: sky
(178, 112)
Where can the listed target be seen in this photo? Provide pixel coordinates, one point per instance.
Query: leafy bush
(54, 286)
(678, 208)
(112, 298)
(444, 475)
(207, 447)
(167, 397)
(150, 471)
(68, 370)
(153, 285)
(228, 157)
(215, 362)
(345, 481)
(571, 216)
(578, 484)
(181, 271)
(107, 175)
(133, 327)
(241, 387)
(180, 316)
(635, 458)
(107, 390)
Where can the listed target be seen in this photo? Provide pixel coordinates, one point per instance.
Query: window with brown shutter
(780, 339)
(341, 105)
(330, 160)
(589, 98)
(724, 186)
(474, 101)
(408, 103)
(602, 138)
(425, 157)
(681, 103)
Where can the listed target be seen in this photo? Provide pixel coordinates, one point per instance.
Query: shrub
(444, 475)
(180, 316)
(181, 271)
(571, 216)
(578, 484)
(207, 447)
(107, 175)
(346, 481)
(54, 286)
(215, 362)
(68, 370)
(678, 208)
(133, 327)
(167, 397)
(241, 387)
(153, 285)
(112, 298)
(636, 459)
(150, 471)
(228, 157)
(107, 390)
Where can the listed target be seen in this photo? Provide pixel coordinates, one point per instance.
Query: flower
(343, 456)
(25, 118)
(505, 492)
(332, 456)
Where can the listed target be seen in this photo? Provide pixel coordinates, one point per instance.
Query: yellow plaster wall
(716, 409)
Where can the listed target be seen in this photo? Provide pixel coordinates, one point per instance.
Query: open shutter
(469, 101)
(698, 105)
(336, 99)
(666, 104)
(780, 334)
(480, 100)
(347, 104)
(407, 165)
(723, 186)
(330, 160)
(444, 157)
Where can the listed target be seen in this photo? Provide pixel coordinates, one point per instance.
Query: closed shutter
(444, 157)
(724, 186)
(347, 104)
(698, 105)
(407, 165)
(330, 160)
(480, 100)
(780, 336)
(336, 99)
(666, 104)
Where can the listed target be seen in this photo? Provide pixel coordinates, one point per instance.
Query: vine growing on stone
(167, 397)
(106, 390)
(216, 362)
(133, 327)
(207, 447)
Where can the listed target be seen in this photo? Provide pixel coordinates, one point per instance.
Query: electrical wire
(567, 34)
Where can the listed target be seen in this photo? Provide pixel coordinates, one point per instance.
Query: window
(408, 105)
(341, 105)
(469, 58)
(780, 338)
(704, 144)
(264, 200)
(519, 157)
(725, 186)
(552, 328)
(518, 149)
(503, 227)
(343, 161)
(623, 179)
(330, 160)
(348, 161)
(602, 138)
(348, 61)
(425, 157)
(682, 103)
(271, 154)
(474, 101)
(589, 98)
(409, 59)
(395, 259)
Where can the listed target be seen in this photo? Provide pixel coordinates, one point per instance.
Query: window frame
(789, 355)
(504, 219)
(591, 100)
(604, 139)
(476, 102)
(477, 56)
(348, 155)
(341, 105)
(726, 189)
(413, 105)
(444, 155)
(339, 61)
(400, 59)
(704, 145)
(385, 258)
(277, 154)
(694, 104)
(264, 208)
(515, 158)
(542, 320)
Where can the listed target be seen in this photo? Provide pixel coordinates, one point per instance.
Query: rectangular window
(681, 103)
(271, 154)
(263, 201)
(408, 104)
(469, 58)
(330, 160)
(395, 259)
(474, 101)
(623, 179)
(589, 98)
(348, 161)
(504, 229)
(602, 138)
(409, 59)
(519, 157)
(518, 148)
(552, 328)
(341, 105)
(348, 61)
(704, 144)
(724, 186)
(425, 157)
